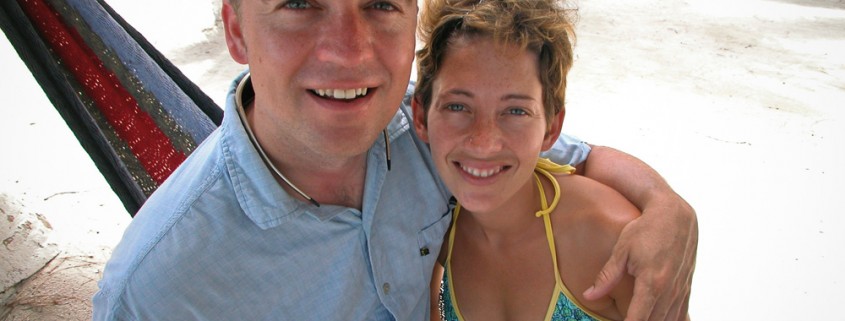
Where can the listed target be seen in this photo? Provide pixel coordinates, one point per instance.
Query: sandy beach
(740, 105)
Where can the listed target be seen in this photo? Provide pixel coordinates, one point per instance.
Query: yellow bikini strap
(547, 167)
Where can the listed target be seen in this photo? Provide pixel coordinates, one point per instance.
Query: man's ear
(234, 33)
(555, 127)
(420, 120)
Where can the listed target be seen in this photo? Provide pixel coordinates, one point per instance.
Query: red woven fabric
(145, 139)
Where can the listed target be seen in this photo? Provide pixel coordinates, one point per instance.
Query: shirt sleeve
(568, 150)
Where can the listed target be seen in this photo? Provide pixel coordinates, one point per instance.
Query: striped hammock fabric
(133, 111)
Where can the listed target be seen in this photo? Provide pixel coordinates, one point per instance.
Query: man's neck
(327, 179)
(341, 185)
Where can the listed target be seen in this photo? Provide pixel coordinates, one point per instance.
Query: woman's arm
(658, 249)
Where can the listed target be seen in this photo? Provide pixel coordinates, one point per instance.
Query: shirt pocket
(430, 239)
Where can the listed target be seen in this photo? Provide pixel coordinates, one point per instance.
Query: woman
(527, 239)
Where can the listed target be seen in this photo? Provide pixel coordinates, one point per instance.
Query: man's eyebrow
(275, 4)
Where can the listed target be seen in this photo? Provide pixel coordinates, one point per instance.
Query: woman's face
(486, 123)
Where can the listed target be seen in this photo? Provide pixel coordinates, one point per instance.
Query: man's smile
(344, 94)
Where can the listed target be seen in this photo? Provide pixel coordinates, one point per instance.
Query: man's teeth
(481, 173)
(342, 93)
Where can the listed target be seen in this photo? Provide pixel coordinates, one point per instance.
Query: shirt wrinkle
(328, 212)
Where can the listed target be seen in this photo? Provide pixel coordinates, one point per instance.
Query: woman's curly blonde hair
(541, 26)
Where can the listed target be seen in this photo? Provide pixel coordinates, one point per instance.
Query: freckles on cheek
(442, 143)
(433, 137)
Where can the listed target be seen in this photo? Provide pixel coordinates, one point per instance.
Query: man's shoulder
(152, 229)
(158, 248)
(202, 174)
(204, 168)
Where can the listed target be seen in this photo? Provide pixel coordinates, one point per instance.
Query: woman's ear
(234, 33)
(420, 120)
(555, 127)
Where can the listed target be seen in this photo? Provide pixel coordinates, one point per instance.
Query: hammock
(131, 109)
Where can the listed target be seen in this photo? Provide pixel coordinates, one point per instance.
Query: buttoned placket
(381, 272)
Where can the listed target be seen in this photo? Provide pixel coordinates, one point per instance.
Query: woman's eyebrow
(517, 97)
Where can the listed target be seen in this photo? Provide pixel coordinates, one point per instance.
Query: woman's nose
(484, 137)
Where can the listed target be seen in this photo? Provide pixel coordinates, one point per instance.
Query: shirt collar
(259, 194)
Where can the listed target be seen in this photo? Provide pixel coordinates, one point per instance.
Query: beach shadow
(829, 4)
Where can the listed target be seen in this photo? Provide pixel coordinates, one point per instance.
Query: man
(315, 200)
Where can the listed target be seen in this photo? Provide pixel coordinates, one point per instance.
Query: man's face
(328, 74)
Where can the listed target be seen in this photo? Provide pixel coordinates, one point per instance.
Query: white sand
(738, 105)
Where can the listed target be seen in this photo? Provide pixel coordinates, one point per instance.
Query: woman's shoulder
(593, 205)
(587, 223)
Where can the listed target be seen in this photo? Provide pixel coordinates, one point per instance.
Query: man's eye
(297, 4)
(517, 111)
(383, 5)
(454, 107)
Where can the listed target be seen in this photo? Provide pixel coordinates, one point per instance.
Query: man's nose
(346, 39)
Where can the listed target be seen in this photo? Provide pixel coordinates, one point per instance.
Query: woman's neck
(508, 223)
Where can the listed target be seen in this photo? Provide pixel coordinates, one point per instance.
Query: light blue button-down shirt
(220, 240)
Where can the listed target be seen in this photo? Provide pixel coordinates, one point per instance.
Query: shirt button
(386, 288)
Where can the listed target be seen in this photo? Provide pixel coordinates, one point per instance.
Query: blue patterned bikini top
(563, 305)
